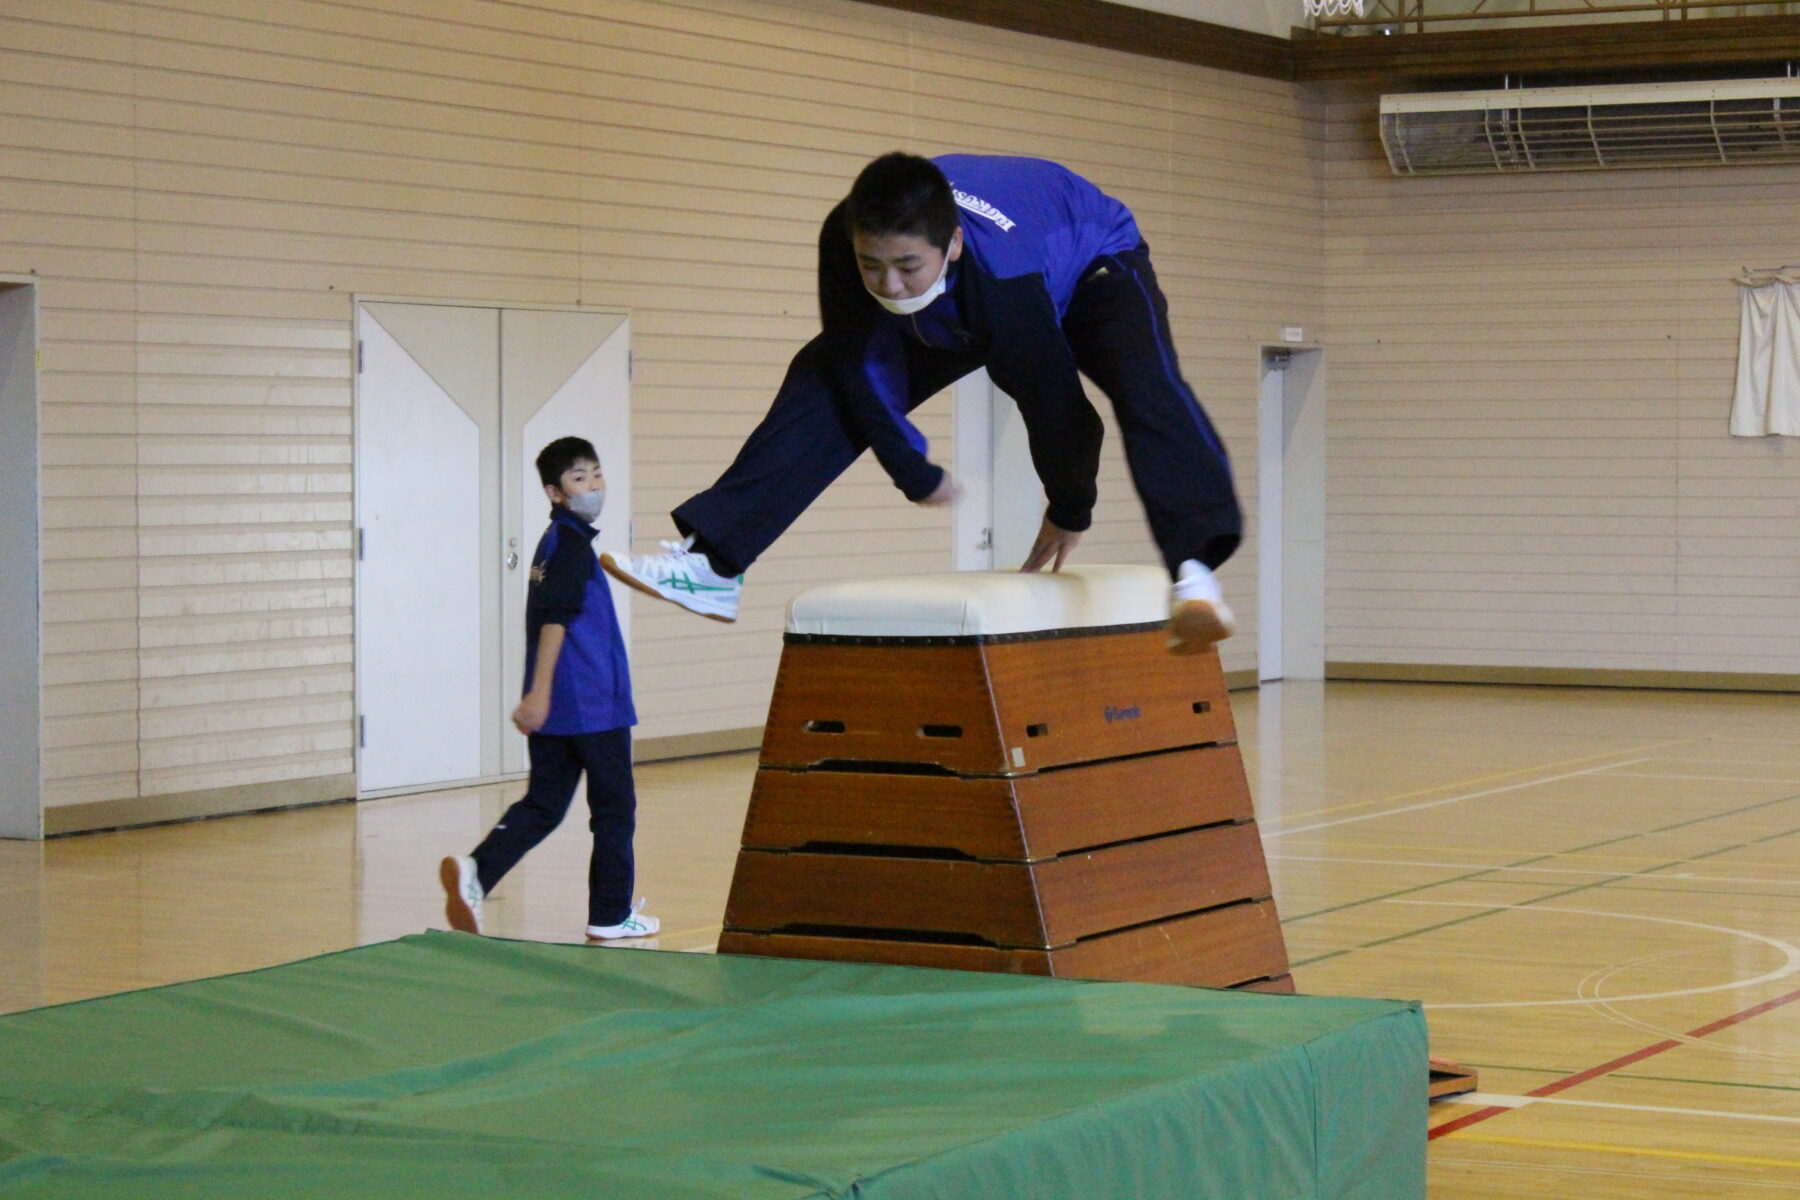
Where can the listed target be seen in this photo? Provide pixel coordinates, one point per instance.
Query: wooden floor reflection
(1573, 880)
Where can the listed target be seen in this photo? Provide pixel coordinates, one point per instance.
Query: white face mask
(587, 505)
(907, 305)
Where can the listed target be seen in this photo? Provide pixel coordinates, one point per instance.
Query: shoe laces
(631, 922)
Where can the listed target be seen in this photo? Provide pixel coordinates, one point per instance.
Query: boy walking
(576, 711)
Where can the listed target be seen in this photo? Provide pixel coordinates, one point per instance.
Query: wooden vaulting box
(1004, 772)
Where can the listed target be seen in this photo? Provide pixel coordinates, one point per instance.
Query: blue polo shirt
(592, 689)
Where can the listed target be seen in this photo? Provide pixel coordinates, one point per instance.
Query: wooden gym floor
(1596, 892)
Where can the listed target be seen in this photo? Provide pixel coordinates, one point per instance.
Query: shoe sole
(647, 942)
(456, 909)
(1196, 627)
(596, 939)
(631, 581)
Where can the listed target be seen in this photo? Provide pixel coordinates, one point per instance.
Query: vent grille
(1591, 129)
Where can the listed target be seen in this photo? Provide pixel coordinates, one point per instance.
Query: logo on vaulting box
(1129, 713)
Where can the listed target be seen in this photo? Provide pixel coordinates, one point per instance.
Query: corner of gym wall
(202, 186)
(1529, 458)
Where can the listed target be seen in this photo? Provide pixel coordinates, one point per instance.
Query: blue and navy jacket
(592, 689)
(1031, 228)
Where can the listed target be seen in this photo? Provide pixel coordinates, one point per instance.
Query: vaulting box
(1004, 772)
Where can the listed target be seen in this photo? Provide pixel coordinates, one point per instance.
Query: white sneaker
(1198, 614)
(633, 926)
(462, 893)
(681, 577)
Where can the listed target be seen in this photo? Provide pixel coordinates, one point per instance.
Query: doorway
(21, 650)
(999, 503)
(1290, 508)
(453, 402)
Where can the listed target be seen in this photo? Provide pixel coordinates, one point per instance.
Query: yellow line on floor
(1479, 779)
(1609, 1148)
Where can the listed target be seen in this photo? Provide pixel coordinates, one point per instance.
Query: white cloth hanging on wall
(1767, 397)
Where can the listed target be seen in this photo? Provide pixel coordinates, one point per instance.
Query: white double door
(453, 403)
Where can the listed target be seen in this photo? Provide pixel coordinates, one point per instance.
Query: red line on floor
(1569, 1081)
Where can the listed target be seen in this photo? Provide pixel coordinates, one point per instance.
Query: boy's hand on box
(1052, 546)
(531, 714)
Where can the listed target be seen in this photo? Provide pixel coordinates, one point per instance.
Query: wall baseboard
(693, 745)
(1693, 681)
(98, 815)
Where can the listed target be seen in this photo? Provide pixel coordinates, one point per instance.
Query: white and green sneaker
(679, 576)
(462, 893)
(636, 925)
(1198, 614)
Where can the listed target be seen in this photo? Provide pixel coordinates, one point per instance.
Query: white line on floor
(1455, 866)
(1394, 812)
(1493, 1100)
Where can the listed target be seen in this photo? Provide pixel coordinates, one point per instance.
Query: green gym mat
(445, 1065)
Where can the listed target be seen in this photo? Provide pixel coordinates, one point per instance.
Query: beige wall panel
(1465, 344)
(246, 687)
(74, 477)
(105, 666)
(410, 188)
(81, 607)
(79, 31)
(93, 770)
(181, 153)
(83, 700)
(244, 719)
(409, 234)
(200, 778)
(102, 575)
(262, 137)
(79, 543)
(65, 89)
(258, 165)
(167, 654)
(87, 637)
(204, 756)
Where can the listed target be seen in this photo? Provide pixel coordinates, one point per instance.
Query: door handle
(512, 561)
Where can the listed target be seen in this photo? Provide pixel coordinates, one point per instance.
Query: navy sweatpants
(1117, 326)
(557, 764)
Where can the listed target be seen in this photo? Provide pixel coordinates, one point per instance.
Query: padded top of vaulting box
(983, 603)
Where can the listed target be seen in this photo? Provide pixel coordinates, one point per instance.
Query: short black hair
(562, 454)
(903, 193)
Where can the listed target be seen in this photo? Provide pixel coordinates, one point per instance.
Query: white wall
(1531, 379)
(202, 185)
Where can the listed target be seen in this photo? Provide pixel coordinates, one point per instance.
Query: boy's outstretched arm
(534, 709)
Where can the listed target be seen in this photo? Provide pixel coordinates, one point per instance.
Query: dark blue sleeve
(857, 361)
(557, 598)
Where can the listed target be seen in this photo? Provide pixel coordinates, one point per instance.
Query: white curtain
(1767, 399)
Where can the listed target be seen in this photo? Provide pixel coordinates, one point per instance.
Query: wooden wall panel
(1531, 379)
(202, 185)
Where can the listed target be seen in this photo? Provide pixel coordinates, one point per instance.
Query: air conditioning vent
(1739, 121)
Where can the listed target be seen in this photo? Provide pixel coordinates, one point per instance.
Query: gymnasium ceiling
(1254, 37)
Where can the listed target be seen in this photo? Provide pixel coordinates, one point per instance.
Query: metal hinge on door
(630, 365)
(360, 543)
(987, 539)
(362, 732)
(359, 356)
